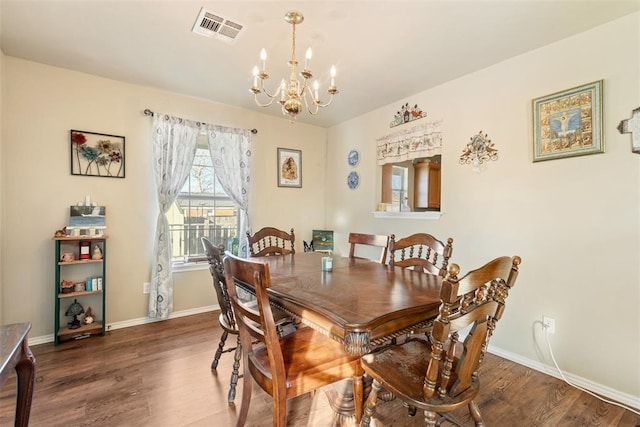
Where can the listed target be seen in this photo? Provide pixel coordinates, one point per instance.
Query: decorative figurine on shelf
(67, 257)
(97, 252)
(88, 317)
(61, 233)
(74, 310)
(66, 286)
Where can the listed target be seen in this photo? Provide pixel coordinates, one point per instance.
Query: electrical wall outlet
(145, 287)
(549, 323)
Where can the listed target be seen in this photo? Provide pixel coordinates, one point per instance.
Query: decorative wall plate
(353, 180)
(353, 158)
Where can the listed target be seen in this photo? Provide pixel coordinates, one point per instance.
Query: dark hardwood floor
(159, 375)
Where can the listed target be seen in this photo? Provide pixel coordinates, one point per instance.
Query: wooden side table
(15, 353)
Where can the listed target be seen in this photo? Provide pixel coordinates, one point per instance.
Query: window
(202, 209)
(399, 184)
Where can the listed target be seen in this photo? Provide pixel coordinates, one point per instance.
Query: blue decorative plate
(353, 158)
(353, 180)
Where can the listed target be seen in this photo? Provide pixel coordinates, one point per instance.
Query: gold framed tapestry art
(568, 123)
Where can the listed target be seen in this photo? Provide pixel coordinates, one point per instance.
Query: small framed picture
(97, 154)
(568, 123)
(289, 168)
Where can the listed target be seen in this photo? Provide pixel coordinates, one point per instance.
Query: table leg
(25, 371)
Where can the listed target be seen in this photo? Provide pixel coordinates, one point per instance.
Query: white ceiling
(384, 51)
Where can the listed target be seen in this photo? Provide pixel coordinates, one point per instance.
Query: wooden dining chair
(298, 363)
(226, 319)
(422, 252)
(271, 241)
(442, 376)
(369, 240)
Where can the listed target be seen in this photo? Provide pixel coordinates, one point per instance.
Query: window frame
(197, 261)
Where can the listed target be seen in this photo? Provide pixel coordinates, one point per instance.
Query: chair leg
(216, 359)
(475, 414)
(247, 383)
(358, 397)
(280, 410)
(431, 419)
(411, 410)
(371, 403)
(234, 374)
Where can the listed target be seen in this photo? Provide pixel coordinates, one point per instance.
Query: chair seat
(408, 362)
(284, 322)
(311, 359)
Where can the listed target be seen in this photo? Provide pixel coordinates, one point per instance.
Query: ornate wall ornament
(478, 150)
(632, 126)
(407, 114)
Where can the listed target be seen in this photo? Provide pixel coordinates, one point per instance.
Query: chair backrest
(476, 300)
(214, 256)
(420, 251)
(369, 240)
(255, 322)
(271, 241)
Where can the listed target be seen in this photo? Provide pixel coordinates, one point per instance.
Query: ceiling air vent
(215, 26)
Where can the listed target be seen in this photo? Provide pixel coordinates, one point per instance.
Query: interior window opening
(412, 185)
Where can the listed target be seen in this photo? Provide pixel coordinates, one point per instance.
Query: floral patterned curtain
(230, 151)
(419, 141)
(174, 148)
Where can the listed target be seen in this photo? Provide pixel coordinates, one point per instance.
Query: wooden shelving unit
(79, 270)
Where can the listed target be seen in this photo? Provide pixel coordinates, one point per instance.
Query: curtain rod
(148, 112)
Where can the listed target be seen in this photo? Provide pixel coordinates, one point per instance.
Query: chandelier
(292, 94)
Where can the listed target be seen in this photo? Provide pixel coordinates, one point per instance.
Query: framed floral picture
(568, 123)
(97, 154)
(289, 168)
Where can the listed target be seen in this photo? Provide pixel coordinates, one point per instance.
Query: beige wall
(574, 222)
(41, 104)
(2, 322)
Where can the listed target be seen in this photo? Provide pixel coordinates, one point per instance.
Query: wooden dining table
(360, 303)
(15, 354)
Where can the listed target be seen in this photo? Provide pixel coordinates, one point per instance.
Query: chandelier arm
(266, 92)
(320, 104)
(255, 98)
(306, 104)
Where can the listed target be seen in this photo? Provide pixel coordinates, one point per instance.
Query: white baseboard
(607, 392)
(134, 322)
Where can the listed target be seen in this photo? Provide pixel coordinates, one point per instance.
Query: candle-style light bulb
(333, 75)
(316, 86)
(255, 76)
(283, 85)
(263, 58)
(307, 58)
